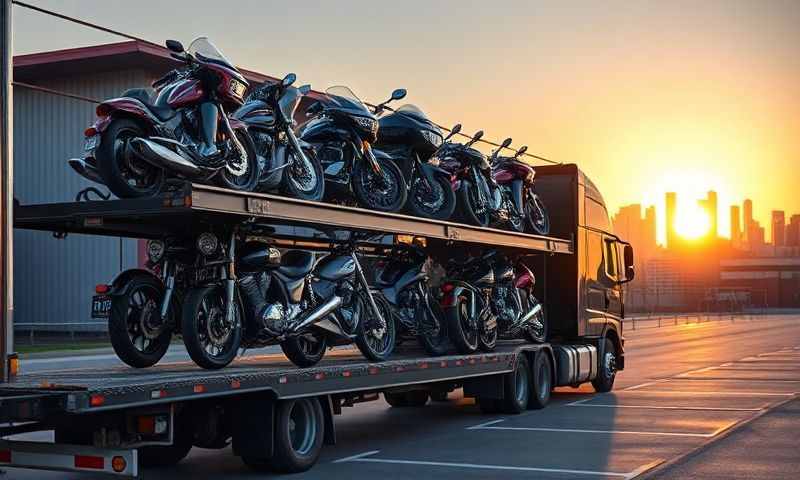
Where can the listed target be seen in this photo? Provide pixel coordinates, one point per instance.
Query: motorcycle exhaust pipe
(321, 312)
(85, 170)
(162, 157)
(527, 318)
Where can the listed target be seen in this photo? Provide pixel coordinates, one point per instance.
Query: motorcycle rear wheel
(305, 350)
(203, 319)
(487, 341)
(537, 334)
(432, 332)
(126, 175)
(536, 215)
(463, 336)
(248, 181)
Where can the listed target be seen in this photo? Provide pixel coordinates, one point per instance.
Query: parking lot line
(367, 457)
(482, 425)
(688, 392)
(580, 403)
(734, 379)
(641, 385)
(602, 432)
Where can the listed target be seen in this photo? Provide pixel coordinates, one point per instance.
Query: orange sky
(646, 96)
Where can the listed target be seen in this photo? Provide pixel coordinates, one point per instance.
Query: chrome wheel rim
(302, 174)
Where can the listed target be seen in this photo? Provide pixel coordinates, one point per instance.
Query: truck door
(596, 283)
(613, 287)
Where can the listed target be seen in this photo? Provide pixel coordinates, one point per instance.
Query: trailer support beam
(6, 192)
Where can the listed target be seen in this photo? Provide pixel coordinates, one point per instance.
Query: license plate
(101, 306)
(91, 143)
(238, 88)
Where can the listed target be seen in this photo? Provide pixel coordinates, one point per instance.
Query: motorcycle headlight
(432, 137)
(369, 124)
(155, 250)
(207, 243)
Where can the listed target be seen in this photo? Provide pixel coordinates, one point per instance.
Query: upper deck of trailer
(195, 206)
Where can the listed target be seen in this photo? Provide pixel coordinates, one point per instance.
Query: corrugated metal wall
(54, 279)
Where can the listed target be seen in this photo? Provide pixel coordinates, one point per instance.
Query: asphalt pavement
(709, 400)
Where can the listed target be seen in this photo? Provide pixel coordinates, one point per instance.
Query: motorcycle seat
(296, 263)
(145, 96)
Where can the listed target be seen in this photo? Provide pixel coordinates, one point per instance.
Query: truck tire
(542, 381)
(414, 398)
(517, 388)
(299, 432)
(606, 371)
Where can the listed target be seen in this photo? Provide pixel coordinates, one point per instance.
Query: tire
(464, 338)
(440, 207)
(123, 173)
(294, 188)
(517, 388)
(487, 340)
(202, 306)
(375, 349)
(435, 341)
(249, 180)
(536, 215)
(305, 350)
(467, 205)
(386, 194)
(542, 384)
(135, 316)
(299, 432)
(606, 371)
(413, 398)
(536, 335)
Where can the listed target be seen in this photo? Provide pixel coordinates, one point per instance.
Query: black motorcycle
(342, 131)
(286, 163)
(260, 297)
(465, 164)
(403, 281)
(411, 138)
(518, 312)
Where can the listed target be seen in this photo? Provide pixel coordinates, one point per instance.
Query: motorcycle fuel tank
(255, 113)
(184, 92)
(335, 267)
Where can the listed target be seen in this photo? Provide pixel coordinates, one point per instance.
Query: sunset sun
(692, 222)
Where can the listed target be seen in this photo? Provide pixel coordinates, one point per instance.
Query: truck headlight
(155, 250)
(207, 243)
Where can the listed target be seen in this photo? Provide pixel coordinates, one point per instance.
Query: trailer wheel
(517, 388)
(542, 384)
(414, 398)
(607, 370)
(299, 432)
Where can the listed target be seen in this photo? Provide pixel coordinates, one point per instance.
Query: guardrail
(671, 319)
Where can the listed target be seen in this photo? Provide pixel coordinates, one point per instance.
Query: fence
(664, 320)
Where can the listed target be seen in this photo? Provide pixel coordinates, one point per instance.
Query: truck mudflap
(68, 458)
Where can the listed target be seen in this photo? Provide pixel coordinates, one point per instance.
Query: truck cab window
(596, 215)
(611, 262)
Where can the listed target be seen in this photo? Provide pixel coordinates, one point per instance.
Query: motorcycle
(342, 131)
(283, 299)
(491, 298)
(285, 162)
(465, 164)
(142, 306)
(138, 141)
(411, 139)
(402, 279)
(513, 199)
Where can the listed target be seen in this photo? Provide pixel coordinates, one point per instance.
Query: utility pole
(6, 194)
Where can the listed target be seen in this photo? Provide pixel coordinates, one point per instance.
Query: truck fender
(326, 403)
(120, 284)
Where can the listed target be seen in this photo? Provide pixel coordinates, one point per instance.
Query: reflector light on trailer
(423, 365)
(5, 456)
(199, 389)
(236, 384)
(319, 376)
(118, 464)
(158, 394)
(346, 373)
(372, 370)
(443, 364)
(398, 369)
(459, 363)
(89, 461)
(96, 400)
(282, 380)
(146, 425)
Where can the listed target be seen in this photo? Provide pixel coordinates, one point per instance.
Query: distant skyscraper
(747, 214)
(736, 229)
(778, 228)
(793, 232)
(711, 208)
(671, 203)
(650, 227)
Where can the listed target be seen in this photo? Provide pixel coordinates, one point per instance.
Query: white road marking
(604, 432)
(365, 458)
(663, 407)
(486, 424)
(641, 385)
(733, 394)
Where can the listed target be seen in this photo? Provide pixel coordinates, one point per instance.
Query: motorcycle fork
(516, 190)
(479, 188)
(169, 284)
(365, 285)
(229, 274)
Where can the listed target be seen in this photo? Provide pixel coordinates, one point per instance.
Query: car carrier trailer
(278, 416)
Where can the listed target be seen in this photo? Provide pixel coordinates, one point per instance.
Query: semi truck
(278, 417)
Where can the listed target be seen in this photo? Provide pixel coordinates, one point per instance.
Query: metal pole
(6, 193)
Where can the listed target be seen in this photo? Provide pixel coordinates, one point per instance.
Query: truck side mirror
(630, 271)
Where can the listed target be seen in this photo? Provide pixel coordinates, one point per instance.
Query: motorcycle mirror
(456, 128)
(288, 80)
(505, 143)
(174, 46)
(305, 89)
(477, 135)
(399, 94)
(522, 150)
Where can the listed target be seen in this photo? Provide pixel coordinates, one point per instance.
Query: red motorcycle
(513, 199)
(139, 140)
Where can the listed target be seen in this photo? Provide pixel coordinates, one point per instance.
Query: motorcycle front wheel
(247, 179)
(210, 340)
(536, 215)
(463, 333)
(432, 329)
(125, 174)
(305, 350)
(139, 337)
(304, 180)
(376, 341)
(469, 207)
(437, 201)
(385, 192)
(536, 331)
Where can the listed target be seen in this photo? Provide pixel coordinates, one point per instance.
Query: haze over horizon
(646, 97)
